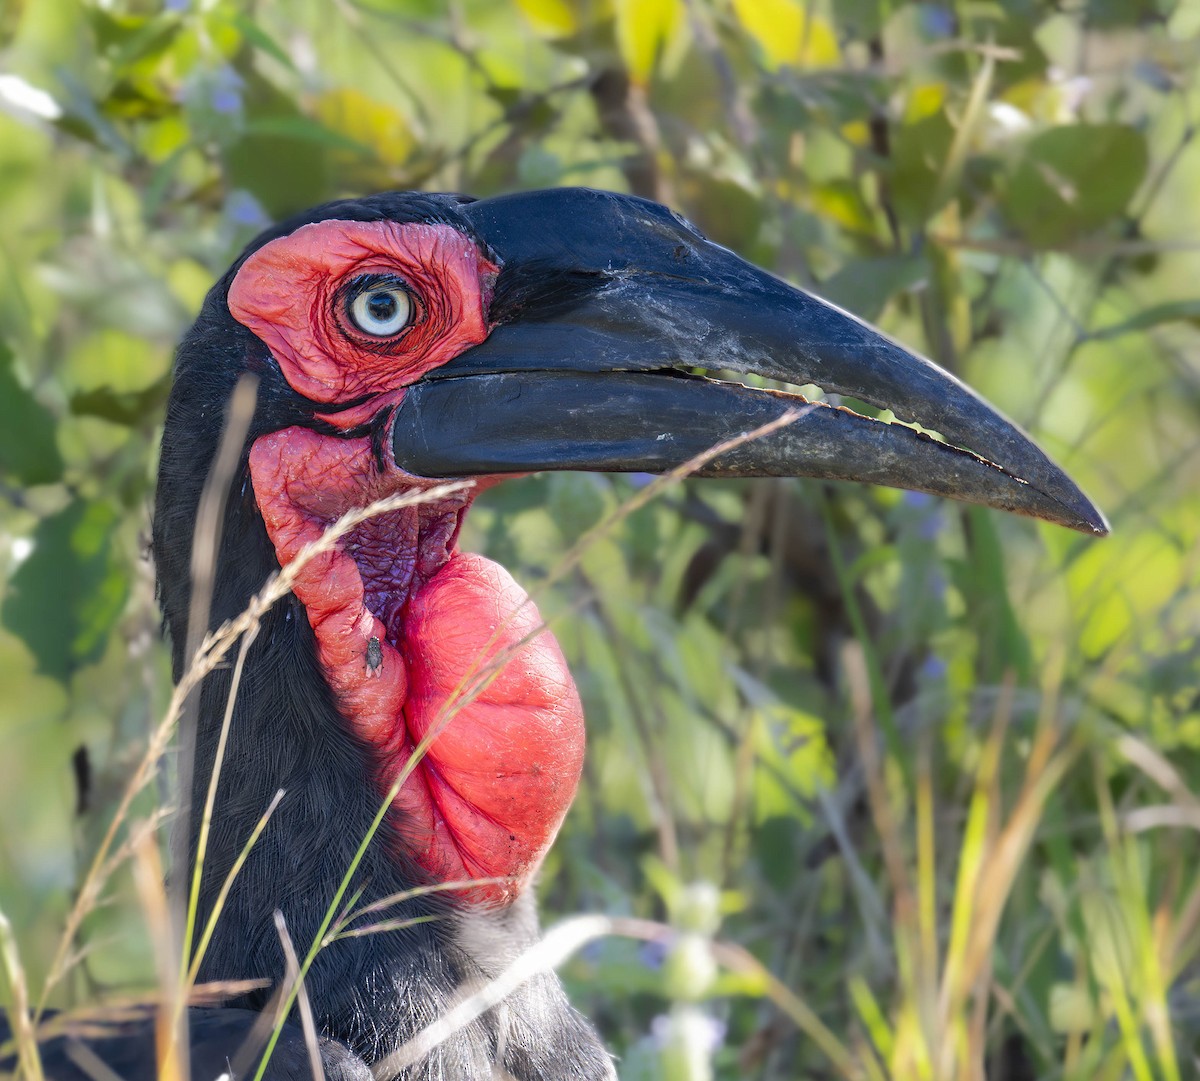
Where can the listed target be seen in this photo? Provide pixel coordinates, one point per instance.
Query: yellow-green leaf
(554, 18)
(368, 122)
(643, 29)
(924, 100)
(788, 34)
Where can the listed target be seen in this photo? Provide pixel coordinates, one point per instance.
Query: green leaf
(127, 39)
(577, 503)
(351, 121)
(919, 154)
(1073, 179)
(864, 286)
(983, 581)
(261, 40)
(302, 129)
(137, 99)
(28, 450)
(128, 408)
(281, 156)
(63, 601)
(1177, 311)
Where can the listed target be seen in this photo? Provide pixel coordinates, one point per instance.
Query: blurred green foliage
(1008, 187)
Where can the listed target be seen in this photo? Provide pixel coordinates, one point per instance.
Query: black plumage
(372, 991)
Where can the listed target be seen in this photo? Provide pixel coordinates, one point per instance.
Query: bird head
(403, 338)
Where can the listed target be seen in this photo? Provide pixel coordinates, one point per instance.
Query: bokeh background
(934, 768)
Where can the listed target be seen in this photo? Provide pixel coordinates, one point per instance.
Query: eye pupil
(380, 307)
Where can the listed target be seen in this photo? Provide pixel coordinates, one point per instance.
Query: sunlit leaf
(28, 450)
(857, 132)
(138, 99)
(63, 601)
(1121, 585)
(924, 100)
(553, 18)
(788, 33)
(842, 201)
(115, 361)
(794, 761)
(359, 122)
(161, 143)
(643, 29)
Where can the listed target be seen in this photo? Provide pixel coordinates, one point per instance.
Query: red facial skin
(288, 293)
(488, 797)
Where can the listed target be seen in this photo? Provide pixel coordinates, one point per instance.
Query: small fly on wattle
(374, 665)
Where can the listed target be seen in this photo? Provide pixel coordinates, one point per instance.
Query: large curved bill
(603, 299)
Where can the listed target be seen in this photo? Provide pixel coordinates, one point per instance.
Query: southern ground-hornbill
(409, 336)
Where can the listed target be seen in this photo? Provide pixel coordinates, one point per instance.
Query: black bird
(409, 336)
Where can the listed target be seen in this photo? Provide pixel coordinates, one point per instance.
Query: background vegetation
(938, 768)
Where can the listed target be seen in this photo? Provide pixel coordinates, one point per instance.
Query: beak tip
(1098, 525)
(1083, 516)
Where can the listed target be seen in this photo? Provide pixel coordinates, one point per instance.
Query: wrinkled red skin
(287, 292)
(488, 797)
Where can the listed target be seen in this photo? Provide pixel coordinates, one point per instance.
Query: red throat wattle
(404, 623)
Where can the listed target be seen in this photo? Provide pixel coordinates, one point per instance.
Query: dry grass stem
(739, 959)
(1155, 766)
(292, 976)
(260, 1035)
(89, 1062)
(340, 928)
(211, 797)
(206, 545)
(226, 886)
(28, 1058)
(211, 652)
(170, 1021)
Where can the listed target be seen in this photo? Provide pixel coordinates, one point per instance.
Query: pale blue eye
(381, 310)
